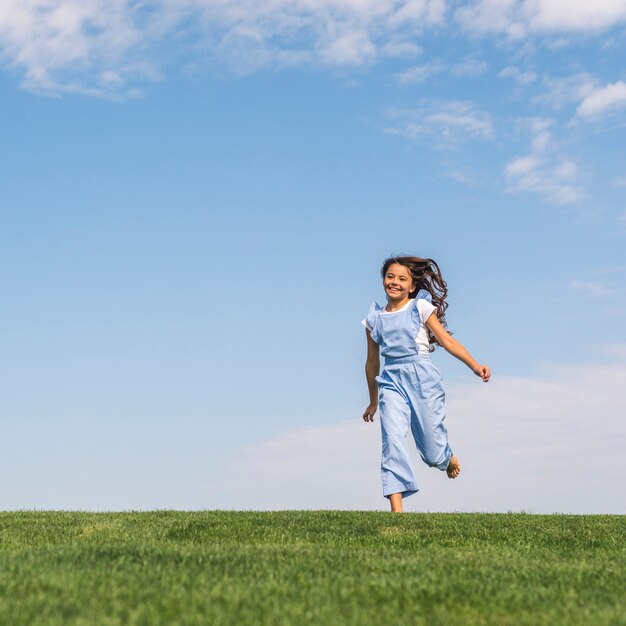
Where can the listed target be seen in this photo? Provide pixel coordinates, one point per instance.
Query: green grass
(311, 567)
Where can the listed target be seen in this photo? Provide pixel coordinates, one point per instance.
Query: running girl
(408, 392)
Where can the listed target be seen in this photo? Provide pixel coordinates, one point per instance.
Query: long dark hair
(426, 275)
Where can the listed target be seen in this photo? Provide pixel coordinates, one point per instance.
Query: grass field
(311, 567)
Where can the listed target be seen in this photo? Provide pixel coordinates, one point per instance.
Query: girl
(408, 392)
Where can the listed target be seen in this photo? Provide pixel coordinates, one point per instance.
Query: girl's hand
(368, 416)
(482, 371)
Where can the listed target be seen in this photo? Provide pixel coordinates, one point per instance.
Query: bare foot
(454, 467)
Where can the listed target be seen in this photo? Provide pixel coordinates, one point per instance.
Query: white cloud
(353, 47)
(594, 100)
(98, 46)
(485, 16)
(566, 170)
(420, 73)
(400, 49)
(544, 171)
(523, 78)
(551, 442)
(464, 175)
(522, 166)
(469, 66)
(594, 288)
(560, 42)
(544, 180)
(564, 90)
(47, 38)
(564, 15)
(602, 101)
(101, 47)
(449, 122)
(519, 18)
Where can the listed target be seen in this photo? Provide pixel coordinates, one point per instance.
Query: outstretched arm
(372, 369)
(455, 348)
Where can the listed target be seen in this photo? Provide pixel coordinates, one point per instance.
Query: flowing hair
(426, 275)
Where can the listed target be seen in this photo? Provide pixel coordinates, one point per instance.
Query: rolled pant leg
(395, 418)
(427, 400)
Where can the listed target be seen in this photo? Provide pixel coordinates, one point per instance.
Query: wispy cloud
(400, 49)
(77, 46)
(543, 170)
(469, 66)
(99, 47)
(560, 91)
(420, 73)
(548, 15)
(534, 426)
(519, 18)
(108, 47)
(492, 16)
(448, 122)
(593, 288)
(463, 175)
(519, 76)
(602, 101)
(594, 101)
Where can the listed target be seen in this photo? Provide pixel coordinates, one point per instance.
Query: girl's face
(398, 282)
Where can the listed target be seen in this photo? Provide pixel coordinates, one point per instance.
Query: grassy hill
(311, 567)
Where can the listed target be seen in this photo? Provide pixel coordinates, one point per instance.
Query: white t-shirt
(425, 309)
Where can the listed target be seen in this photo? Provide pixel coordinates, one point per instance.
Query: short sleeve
(370, 321)
(425, 309)
(424, 294)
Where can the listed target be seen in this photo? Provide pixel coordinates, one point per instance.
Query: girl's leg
(396, 502)
(395, 466)
(428, 421)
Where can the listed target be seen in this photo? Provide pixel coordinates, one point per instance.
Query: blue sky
(195, 200)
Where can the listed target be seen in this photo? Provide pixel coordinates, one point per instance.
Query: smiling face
(398, 282)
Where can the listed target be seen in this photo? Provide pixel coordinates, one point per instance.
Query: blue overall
(410, 395)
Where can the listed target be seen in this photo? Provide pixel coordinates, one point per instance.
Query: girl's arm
(372, 369)
(455, 348)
